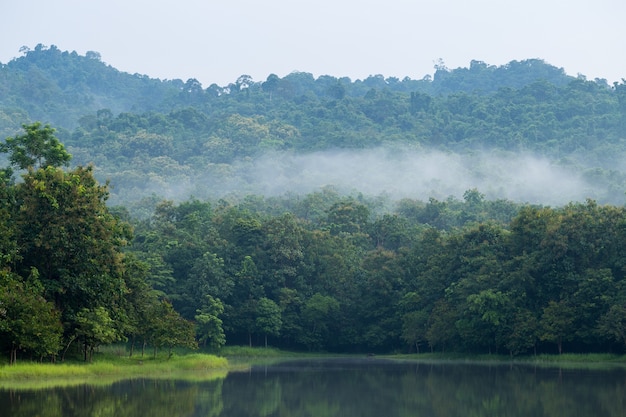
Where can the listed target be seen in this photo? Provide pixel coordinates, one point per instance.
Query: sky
(216, 41)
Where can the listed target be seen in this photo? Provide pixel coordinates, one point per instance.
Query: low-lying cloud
(393, 172)
(402, 173)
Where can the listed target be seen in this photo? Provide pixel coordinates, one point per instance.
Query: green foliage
(166, 328)
(66, 232)
(94, 327)
(209, 324)
(319, 315)
(37, 148)
(557, 323)
(64, 276)
(377, 283)
(268, 319)
(27, 321)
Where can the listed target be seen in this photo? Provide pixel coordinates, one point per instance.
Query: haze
(217, 41)
(395, 173)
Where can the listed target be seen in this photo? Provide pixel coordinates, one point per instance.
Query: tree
(441, 330)
(486, 316)
(318, 315)
(524, 332)
(38, 148)
(378, 292)
(9, 251)
(94, 327)
(138, 301)
(167, 328)
(414, 320)
(271, 84)
(67, 233)
(347, 216)
(414, 328)
(209, 324)
(557, 323)
(613, 323)
(206, 278)
(268, 320)
(283, 253)
(27, 321)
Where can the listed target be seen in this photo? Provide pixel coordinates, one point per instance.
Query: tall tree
(67, 232)
(557, 323)
(209, 324)
(268, 319)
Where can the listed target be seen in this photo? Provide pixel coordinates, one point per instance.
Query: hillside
(176, 138)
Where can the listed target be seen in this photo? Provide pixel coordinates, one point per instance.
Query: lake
(344, 388)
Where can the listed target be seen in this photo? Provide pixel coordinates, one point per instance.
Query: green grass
(109, 366)
(566, 360)
(254, 352)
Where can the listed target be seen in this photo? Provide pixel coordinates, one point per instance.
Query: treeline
(140, 131)
(324, 273)
(46, 83)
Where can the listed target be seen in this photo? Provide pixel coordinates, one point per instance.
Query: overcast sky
(216, 41)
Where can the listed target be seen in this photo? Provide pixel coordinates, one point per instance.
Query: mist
(401, 173)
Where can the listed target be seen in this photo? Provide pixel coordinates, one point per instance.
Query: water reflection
(359, 387)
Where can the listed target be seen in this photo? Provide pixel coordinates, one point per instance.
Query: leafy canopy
(37, 148)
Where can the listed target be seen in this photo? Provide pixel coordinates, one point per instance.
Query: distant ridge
(60, 86)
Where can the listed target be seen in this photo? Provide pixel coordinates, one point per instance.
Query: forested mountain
(60, 87)
(480, 210)
(176, 138)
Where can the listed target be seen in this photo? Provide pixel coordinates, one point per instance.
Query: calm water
(344, 388)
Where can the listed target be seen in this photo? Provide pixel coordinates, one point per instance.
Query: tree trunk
(13, 359)
(66, 348)
(132, 347)
(266, 341)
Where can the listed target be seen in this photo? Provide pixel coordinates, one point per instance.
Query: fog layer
(403, 173)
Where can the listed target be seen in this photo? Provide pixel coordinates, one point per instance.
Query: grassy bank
(107, 369)
(113, 361)
(569, 360)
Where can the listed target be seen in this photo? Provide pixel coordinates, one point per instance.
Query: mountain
(524, 130)
(60, 86)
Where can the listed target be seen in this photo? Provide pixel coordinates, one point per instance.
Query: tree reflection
(133, 398)
(343, 388)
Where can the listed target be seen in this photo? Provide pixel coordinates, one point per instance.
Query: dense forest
(143, 216)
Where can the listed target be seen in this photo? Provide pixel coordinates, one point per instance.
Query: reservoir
(344, 387)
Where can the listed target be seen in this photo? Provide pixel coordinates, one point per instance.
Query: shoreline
(108, 369)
